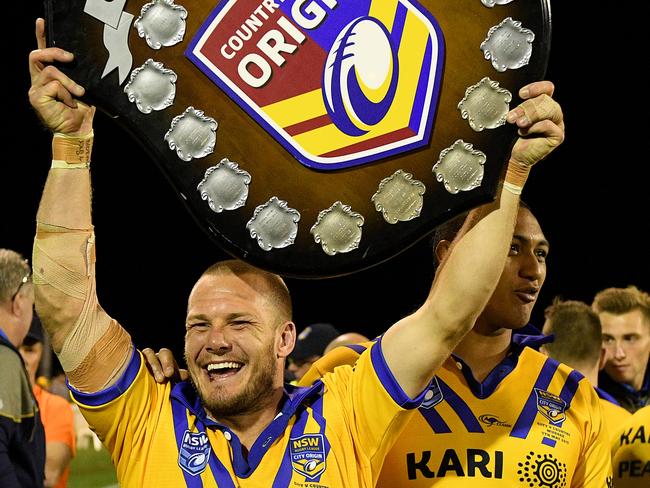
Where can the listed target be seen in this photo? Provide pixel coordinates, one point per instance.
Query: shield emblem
(551, 406)
(308, 455)
(194, 452)
(312, 137)
(364, 90)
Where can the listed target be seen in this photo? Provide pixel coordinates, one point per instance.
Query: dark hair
(577, 332)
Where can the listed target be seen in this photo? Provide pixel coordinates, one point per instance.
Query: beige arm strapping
(95, 347)
(92, 347)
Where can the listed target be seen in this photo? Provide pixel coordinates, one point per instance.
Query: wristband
(71, 152)
(516, 176)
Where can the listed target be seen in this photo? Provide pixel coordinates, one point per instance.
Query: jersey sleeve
(124, 415)
(594, 469)
(375, 405)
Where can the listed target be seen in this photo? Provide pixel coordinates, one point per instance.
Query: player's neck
(249, 425)
(484, 351)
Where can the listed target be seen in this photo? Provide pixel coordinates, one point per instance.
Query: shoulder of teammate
(341, 356)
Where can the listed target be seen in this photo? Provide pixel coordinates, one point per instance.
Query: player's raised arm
(64, 253)
(417, 345)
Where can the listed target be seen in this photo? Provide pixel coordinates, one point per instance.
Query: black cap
(35, 333)
(313, 340)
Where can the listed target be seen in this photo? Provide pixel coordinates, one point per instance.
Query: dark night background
(590, 197)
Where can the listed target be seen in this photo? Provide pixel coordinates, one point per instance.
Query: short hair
(278, 293)
(447, 231)
(577, 330)
(619, 301)
(13, 269)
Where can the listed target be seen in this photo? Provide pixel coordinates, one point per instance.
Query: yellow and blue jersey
(332, 434)
(632, 451)
(533, 422)
(615, 416)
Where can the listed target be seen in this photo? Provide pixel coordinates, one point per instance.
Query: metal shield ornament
(318, 101)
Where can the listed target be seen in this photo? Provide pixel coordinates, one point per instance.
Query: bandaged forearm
(92, 347)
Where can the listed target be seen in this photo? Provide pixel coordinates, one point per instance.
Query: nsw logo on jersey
(550, 406)
(194, 453)
(308, 455)
(338, 84)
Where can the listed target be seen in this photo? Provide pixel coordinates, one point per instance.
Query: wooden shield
(312, 137)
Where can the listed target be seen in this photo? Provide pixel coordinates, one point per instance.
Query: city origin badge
(308, 455)
(337, 83)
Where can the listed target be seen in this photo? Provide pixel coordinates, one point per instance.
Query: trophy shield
(312, 138)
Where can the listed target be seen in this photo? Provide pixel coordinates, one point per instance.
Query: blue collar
(530, 336)
(606, 396)
(4, 336)
(527, 336)
(294, 398)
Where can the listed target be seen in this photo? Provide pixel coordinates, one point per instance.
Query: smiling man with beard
(236, 423)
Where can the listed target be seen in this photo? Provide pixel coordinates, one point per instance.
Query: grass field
(92, 469)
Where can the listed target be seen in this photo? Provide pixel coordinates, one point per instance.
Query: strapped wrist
(516, 176)
(70, 152)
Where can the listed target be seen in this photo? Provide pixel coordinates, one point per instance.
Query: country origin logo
(308, 455)
(550, 406)
(338, 84)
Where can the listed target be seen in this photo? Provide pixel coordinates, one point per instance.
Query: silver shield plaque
(399, 197)
(274, 224)
(460, 167)
(192, 134)
(225, 186)
(508, 45)
(492, 3)
(151, 87)
(485, 105)
(338, 229)
(161, 23)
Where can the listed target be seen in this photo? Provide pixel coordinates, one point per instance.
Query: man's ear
(441, 250)
(21, 304)
(286, 339)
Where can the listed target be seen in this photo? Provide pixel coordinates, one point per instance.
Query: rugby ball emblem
(360, 76)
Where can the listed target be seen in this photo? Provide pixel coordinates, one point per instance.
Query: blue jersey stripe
(460, 407)
(569, 389)
(317, 408)
(434, 419)
(221, 474)
(527, 416)
(180, 426)
(358, 348)
(283, 477)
